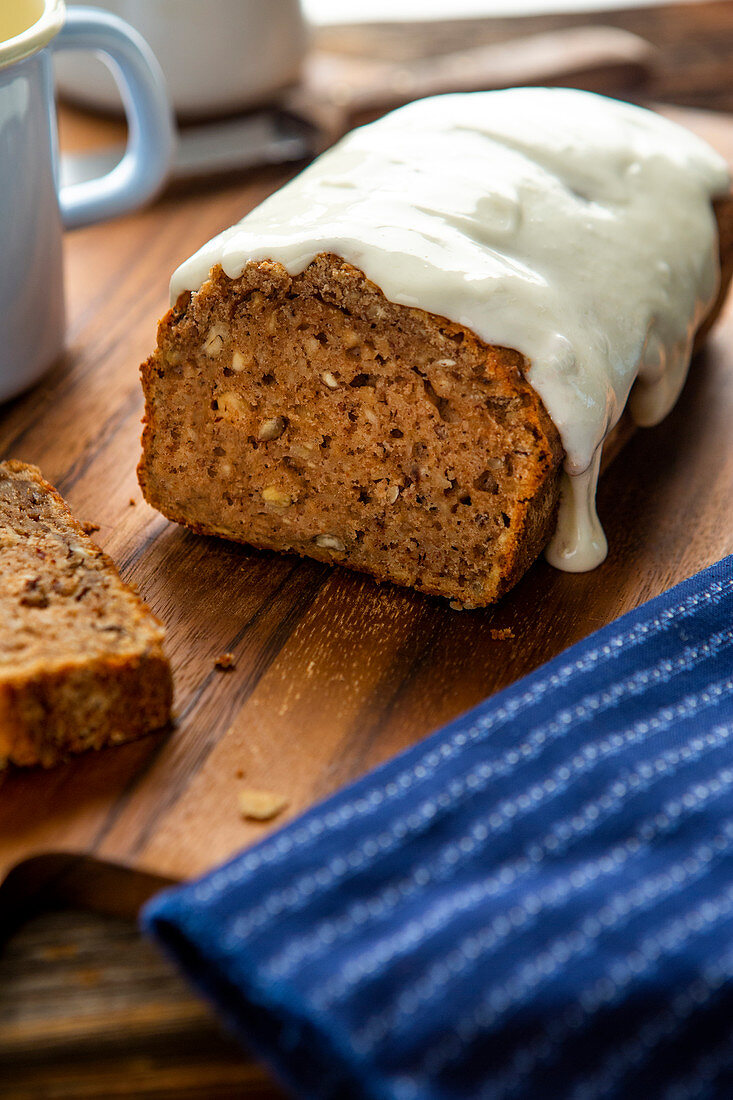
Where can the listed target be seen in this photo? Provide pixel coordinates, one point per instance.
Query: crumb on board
(133, 502)
(224, 661)
(88, 527)
(501, 634)
(259, 805)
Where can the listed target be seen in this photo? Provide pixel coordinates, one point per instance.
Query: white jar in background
(218, 56)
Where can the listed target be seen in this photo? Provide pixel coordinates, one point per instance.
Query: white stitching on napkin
(653, 1031)
(298, 893)
(614, 914)
(467, 953)
(704, 1073)
(658, 824)
(506, 876)
(317, 825)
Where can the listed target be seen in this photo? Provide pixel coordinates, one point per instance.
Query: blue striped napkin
(537, 901)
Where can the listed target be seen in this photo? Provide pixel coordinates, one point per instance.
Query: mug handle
(145, 164)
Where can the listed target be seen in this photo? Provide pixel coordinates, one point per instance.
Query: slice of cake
(407, 361)
(81, 656)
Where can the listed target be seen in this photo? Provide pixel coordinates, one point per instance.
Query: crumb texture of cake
(81, 656)
(409, 359)
(310, 414)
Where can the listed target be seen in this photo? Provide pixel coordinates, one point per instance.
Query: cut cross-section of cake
(409, 359)
(81, 656)
(310, 414)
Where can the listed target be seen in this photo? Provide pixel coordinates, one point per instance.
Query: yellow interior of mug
(19, 16)
(26, 26)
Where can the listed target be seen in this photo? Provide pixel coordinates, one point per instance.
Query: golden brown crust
(81, 656)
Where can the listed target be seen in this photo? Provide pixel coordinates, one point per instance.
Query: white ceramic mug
(33, 211)
(218, 56)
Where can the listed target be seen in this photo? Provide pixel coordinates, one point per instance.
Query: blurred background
(256, 83)
(364, 11)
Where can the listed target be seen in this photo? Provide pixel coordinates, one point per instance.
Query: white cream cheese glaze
(576, 229)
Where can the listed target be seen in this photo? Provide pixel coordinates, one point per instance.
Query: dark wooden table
(87, 1009)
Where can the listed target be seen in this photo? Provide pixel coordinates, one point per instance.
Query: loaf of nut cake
(81, 656)
(405, 360)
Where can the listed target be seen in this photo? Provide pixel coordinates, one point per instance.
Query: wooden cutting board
(333, 673)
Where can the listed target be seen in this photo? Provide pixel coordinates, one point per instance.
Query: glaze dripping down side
(573, 228)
